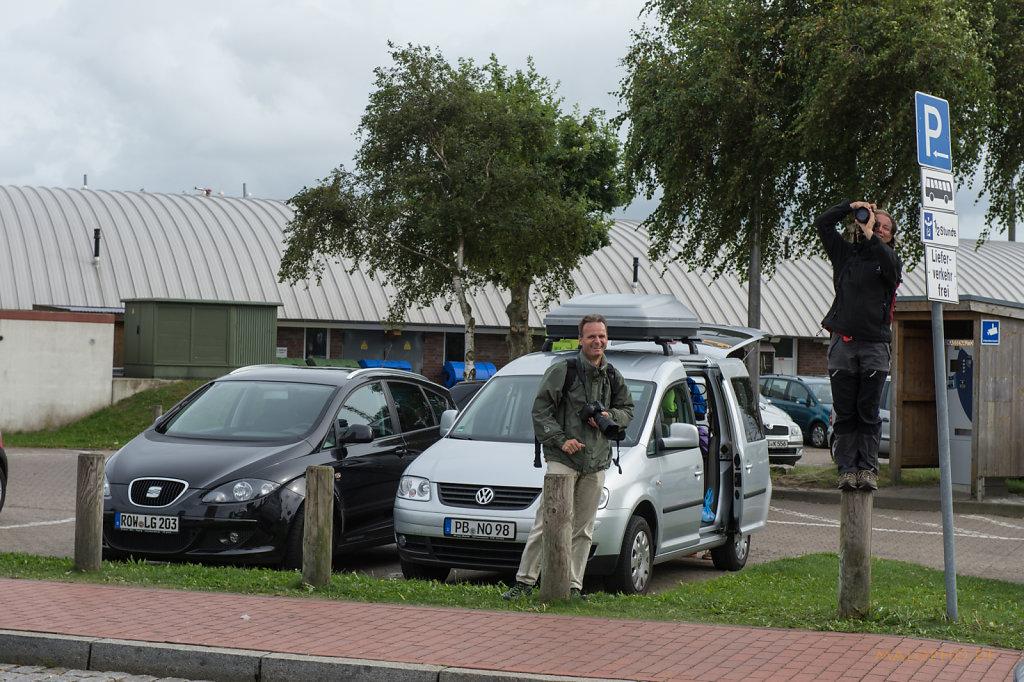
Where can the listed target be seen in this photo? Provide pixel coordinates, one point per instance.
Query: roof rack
(660, 318)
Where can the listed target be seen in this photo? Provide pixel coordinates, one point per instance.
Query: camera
(862, 214)
(605, 425)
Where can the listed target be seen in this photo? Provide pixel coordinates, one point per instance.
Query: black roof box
(631, 317)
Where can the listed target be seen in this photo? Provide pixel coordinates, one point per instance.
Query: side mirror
(447, 419)
(680, 437)
(357, 433)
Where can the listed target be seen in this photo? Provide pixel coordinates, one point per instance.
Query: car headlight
(604, 498)
(414, 488)
(106, 487)
(242, 490)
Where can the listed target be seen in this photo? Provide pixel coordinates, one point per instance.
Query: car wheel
(832, 449)
(293, 543)
(633, 569)
(3, 489)
(413, 571)
(819, 434)
(732, 556)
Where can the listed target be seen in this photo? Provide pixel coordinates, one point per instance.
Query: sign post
(940, 233)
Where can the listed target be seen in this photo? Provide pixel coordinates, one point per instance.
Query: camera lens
(862, 215)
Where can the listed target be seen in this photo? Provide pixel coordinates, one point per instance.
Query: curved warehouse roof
(224, 248)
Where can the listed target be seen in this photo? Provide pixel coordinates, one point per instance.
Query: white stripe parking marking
(821, 521)
(39, 523)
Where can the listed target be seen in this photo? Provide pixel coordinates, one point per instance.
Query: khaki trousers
(586, 493)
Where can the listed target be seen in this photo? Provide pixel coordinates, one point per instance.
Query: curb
(909, 503)
(185, 661)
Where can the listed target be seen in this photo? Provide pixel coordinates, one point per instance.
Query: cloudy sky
(170, 96)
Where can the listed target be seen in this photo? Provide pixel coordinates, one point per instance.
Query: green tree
(462, 178)
(752, 118)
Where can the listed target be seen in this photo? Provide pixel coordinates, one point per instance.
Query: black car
(221, 476)
(3, 472)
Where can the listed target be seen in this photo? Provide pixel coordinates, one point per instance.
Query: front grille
(505, 497)
(155, 492)
(782, 430)
(478, 554)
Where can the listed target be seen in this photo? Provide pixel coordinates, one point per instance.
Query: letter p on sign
(933, 142)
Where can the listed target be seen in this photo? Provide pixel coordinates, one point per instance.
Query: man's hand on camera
(594, 423)
(866, 228)
(572, 446)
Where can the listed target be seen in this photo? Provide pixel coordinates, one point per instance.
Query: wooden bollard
(557, 511)
(158, 411)
(318, 533)
(855, 553)
(89, 512)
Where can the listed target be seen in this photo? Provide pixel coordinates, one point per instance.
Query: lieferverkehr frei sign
(940, 225)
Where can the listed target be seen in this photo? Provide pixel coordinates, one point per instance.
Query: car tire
(732, 556)
(832, 449)
(3, 489)
(632, 573)
(819, 435)
(413, 571)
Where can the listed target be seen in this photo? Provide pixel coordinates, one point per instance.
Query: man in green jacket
(575, 446)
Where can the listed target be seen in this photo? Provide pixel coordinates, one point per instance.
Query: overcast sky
(170, 96)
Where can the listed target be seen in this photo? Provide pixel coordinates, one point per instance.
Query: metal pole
(945, 475)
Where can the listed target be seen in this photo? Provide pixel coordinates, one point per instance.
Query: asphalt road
(39, 519)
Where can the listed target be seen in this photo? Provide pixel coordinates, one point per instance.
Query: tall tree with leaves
(457, 183)
(753, 118)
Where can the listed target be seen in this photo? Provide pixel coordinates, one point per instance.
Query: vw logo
(154, 491)
(484, 496)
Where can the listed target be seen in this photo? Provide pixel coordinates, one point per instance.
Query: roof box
(631, 317)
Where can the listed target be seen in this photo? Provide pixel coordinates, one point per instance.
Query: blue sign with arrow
(934, 146)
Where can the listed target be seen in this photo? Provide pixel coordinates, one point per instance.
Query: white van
(470, 499)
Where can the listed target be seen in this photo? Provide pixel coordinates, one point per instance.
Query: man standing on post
(575, 446)
(865, 274)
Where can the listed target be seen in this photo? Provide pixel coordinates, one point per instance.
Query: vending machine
(959, 394)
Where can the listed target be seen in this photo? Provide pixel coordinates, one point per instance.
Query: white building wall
(55, 368)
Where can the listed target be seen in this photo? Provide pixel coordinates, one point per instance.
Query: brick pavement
(514, 642)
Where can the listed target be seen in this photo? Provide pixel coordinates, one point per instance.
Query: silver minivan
(692, 472)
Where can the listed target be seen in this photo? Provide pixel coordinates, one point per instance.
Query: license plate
(480, 528)
(778, 442)
(145, 523)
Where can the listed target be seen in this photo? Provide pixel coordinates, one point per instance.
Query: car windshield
(251, 410)
(822, 390)
(502, 410)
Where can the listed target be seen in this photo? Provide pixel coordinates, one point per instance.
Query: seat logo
(484, 496)
(153, 492)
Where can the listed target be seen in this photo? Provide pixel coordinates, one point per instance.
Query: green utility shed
(186, 339)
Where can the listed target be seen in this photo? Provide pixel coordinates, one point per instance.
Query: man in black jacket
(865, 274)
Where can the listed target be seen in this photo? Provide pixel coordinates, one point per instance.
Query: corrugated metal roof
(228, 249)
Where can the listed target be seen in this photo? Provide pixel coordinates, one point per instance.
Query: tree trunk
(519, 339)
(469, 373)
(753, 360)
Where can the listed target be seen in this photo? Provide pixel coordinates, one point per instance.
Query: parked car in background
(464, 391)
(471, 499)
(3, 473)
(785, 439)
(221, 477)
(883, 412)
(807, 399)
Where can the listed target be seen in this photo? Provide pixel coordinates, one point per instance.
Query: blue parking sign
(990, 332)
(934, 147)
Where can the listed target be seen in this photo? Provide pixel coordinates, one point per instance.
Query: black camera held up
(605, 425)
(862, 214)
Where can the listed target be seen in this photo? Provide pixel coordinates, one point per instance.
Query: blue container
(393, 364)
(452, 372)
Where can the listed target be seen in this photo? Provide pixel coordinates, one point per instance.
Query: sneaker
(518, 590)
(576, 593)
(847, 481)
(867, 480)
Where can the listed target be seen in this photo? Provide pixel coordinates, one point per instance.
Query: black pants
(857, 370)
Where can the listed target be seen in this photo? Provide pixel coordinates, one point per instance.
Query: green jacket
(554, 423)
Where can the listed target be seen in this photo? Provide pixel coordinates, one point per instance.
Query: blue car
(807, 399)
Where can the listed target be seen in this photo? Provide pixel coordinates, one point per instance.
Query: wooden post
(158, 410)
(318, 533)
(855, 553)
(89, 512)
(557, 510)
